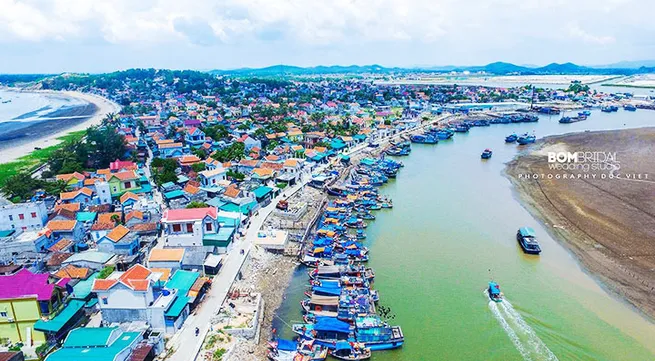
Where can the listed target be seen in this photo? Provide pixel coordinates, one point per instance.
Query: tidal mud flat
(605, 215)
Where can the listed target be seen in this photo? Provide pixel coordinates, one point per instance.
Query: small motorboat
(528, 241)
(526, 139)
(360, 234)
(494, 292)
(586, 113)
(511, 138)
(629, 107)
(345, 350)
(486, 154)
(386, 205)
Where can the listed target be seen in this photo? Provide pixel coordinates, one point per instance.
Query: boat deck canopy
(527, 232)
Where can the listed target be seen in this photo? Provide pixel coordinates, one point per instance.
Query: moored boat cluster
(340, 315)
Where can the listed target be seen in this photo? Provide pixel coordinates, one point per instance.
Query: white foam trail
(512, 335)
(526, 341)
(534, 340)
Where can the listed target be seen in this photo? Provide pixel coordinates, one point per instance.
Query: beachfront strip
(115, 264)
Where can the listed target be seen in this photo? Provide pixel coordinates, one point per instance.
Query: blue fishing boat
(461, 128)
(336, 191)
(481, 123)
(360, 234)
(629, 107)
(493, 290)
(423, 139)
(528, 240)
(511, 138)
(526, 139)
(569, 120)
(486, 154)
(614, 108)
(443, 134)
(345, 350)
(586, 113)
(378, 335)
(606, 109)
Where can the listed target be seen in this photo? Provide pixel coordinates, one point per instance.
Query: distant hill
(629, 64)
(497, 68)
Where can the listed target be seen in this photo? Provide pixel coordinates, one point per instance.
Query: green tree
(235, 175)
(198, 167)
(235, 151)
(105, 272)
(21, 185)
(196, 204)
(104, 146)
(216, 132)
(163, 170)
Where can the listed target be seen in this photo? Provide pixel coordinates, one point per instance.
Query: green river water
(454, 218)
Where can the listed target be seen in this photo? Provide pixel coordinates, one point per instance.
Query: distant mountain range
(498, 68)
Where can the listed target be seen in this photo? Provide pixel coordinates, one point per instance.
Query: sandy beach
(45, 134)
(608, 224)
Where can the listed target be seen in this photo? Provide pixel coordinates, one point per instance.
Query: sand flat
(104, 107)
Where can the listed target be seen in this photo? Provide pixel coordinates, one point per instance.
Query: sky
(52, 36)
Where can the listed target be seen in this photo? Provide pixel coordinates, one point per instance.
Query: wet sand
(45, 133)
(608, 224)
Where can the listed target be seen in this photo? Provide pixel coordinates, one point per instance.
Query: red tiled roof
(118, 233)
(184, 214)
(61, 225)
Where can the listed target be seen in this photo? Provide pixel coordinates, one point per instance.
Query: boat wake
(520, 333)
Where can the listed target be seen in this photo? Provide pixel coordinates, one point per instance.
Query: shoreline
(18, 148)
(603, 236)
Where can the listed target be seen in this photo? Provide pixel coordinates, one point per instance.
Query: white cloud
(577, 32)
(467, 30)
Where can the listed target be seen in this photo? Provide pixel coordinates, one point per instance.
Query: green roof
(57, 323)
(245, 208)
(174, 194)
(262, 191)
(216, 202)
(85, 216)
(182, 280)
(6, 233)
(227, 221)
(168, 185)
(90, 344)
(178, 306)
(90, 256)
(220, 239)
(83, 288)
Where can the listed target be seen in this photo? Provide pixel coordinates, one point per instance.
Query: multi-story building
(31, 216)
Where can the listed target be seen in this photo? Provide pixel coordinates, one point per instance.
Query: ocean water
(453, 227)
(19, 109)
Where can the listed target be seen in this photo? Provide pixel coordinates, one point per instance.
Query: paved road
(185, 344)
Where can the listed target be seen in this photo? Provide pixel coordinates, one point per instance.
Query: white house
(196, 227)
(188, 227)
(30, 216)
(210, 178)
(137, 294)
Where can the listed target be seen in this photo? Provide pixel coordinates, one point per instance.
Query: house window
(208, 227)
(33, 214)
(3, 314)
(104, 300)
(11, 218)
(189, 227)
(177, 228)
(21, 216)
(128, 185)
